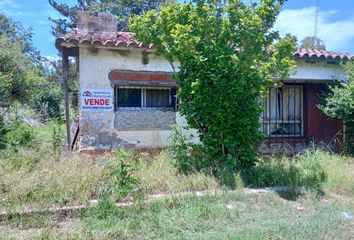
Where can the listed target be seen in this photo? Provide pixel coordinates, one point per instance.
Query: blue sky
(335, 28)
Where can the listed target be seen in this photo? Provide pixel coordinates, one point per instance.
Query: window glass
(157, 98)
(282, 115)
(129, 97)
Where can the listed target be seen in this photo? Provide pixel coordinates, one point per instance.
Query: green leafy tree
(312, 43)
(23, 76)
(339, 103)
(18, 77)
(122, 9)
(14, 31)
(228, 56)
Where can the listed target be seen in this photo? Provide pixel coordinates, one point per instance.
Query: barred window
(157, 98)
(283, 112)
(145, 98)
(129, 97)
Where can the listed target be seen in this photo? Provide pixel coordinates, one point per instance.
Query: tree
(339, 103)
(228, 57)
(122, 9)
(17, 73)
(14, 31)
(313, 43)
(23, 76)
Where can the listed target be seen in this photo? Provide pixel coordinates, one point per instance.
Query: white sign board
(96, 100)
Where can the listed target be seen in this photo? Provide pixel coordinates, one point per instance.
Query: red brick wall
(319, 127)
(141, 76)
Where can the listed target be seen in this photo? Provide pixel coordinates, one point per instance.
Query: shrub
(19, 135)
(181, 150)
(121, 182)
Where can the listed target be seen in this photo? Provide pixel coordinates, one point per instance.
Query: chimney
(103, 23)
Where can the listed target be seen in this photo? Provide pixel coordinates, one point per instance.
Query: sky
(335, 21)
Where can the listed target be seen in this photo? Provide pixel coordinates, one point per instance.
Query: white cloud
(338, 35)
(8, 3)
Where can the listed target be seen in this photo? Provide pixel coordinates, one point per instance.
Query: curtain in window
(283, 111)
(157, 98)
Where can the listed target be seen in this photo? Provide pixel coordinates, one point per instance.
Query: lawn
(317, 206)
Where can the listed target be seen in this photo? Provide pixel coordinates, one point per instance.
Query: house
(128, 97)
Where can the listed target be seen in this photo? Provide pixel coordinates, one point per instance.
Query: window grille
(282, 114)
(144, 98)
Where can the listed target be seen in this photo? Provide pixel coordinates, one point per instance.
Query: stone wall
(144, 120)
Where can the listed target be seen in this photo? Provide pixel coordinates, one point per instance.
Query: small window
(145, 98)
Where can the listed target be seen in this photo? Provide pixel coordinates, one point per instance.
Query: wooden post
(65, 68)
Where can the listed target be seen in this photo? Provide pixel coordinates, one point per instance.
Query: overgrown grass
(314, 169)
(36, 177)
(158, 175)
(45, 182)
(228, 216)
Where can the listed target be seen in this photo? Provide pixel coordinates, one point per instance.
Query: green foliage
(339, 103)
(122, 9)
(17, 75)
(228, 56)
(181, 150)
(306, 170)
(15, 32)
(312, 43)
(19, 135)
(20, 78)
(57, 137)
(122, 182)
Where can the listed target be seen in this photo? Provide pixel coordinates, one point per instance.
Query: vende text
(94, 102)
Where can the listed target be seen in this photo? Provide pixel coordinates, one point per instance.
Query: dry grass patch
(49, 182)
(159, 176)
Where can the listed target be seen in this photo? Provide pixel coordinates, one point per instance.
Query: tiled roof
(126, 39)
(313, 53)
(118, 39)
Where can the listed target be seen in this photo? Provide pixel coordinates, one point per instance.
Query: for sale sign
(96, 100)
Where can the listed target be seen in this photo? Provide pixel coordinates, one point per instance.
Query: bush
(121, 182)
(19, 135)
(181, 150)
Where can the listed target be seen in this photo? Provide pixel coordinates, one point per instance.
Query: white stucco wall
(319, 71)
(94, 69)
(96, 65)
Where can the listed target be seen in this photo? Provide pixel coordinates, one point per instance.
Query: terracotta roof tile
(126, 39)
(118, 39)
(314, 53)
